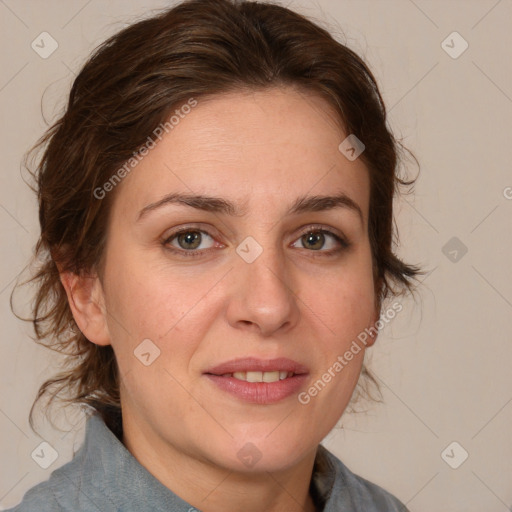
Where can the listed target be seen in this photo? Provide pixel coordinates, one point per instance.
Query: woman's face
(258, 281)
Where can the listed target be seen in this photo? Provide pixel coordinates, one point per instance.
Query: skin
(260, 150)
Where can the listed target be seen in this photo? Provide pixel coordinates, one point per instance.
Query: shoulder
(62, 492)
(37, 499)
(342, 487)
(76, 485)
(42, 498)
(65, 491)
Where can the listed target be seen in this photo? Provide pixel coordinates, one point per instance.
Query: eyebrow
(304, 204)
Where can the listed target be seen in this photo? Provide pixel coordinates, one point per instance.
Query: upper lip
(253, 364)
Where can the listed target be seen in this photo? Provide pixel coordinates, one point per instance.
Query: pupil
(316, 239)
(189, 238)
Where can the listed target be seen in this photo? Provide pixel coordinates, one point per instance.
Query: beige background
(444, 362)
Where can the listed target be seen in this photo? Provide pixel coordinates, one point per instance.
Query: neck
(211, 488)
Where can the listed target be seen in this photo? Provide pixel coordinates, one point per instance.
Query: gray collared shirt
(105, 477)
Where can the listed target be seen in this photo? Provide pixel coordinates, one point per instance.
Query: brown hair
(128, 87)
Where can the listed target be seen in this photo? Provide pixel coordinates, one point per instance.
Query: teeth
(254, 376)
(261, 376)
(270, 376)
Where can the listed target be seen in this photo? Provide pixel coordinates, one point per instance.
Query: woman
(216, 207)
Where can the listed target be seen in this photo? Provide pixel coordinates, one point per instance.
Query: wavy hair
(128, 87)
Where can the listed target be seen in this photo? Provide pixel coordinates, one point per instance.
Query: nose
(262, 299)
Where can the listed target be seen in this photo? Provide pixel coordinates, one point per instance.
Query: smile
(258, 381)
(273, 376)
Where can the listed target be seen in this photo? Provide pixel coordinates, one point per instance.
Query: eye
(318, 239)
(189, 241)
(192, 242)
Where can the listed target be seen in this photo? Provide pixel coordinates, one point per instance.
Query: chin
(261, 452)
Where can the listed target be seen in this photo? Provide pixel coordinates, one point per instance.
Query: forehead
(261, 147)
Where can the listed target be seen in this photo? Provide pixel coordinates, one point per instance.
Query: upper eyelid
(186, 229)
(308, 228)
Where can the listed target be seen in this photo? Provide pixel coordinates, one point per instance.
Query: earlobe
(373, 330)
(86, 300)
(372, 338)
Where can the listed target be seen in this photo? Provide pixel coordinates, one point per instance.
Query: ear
(372, 338)
(87, 303)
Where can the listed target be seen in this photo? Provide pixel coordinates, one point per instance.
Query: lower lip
(260, 392)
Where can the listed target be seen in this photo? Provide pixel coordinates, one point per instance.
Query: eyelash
(343, 243)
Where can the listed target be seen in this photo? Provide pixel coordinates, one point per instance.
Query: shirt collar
(107, 468)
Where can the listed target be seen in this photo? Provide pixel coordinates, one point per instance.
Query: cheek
(168, 307)
(345, 302)
(345, 306)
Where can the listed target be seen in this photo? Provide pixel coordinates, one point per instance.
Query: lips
(252, 364)
(260, 381)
